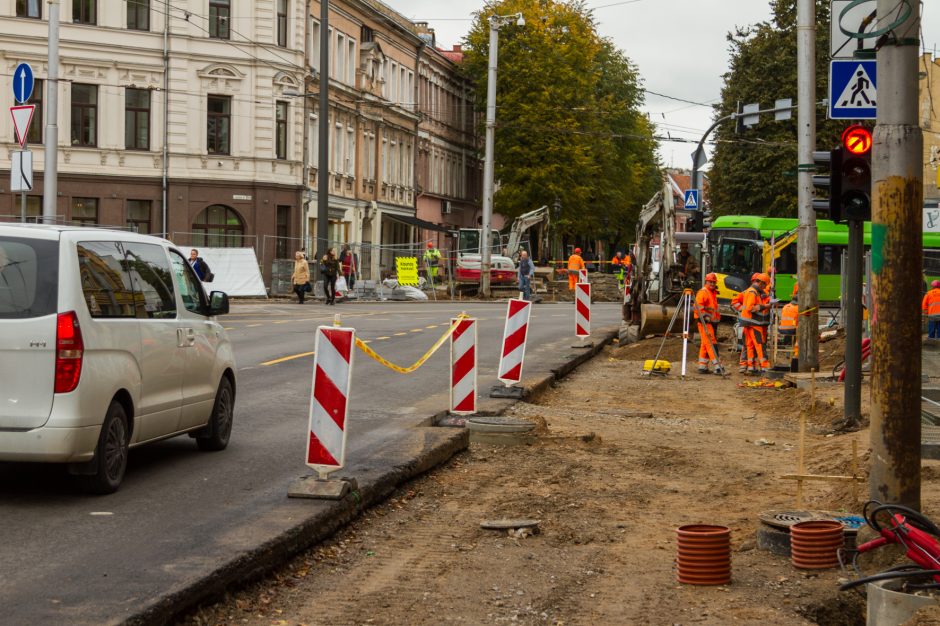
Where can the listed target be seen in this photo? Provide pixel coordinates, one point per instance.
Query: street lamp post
(323, 167)
(496, 22)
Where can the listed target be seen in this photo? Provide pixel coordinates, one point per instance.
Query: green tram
(740, 245)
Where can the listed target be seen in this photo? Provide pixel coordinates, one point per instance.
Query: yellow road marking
(400, 334)
(228, 328)
(417, 330)
(380, 338)
(366, 341)
(432, 326)
(288, 358)
(252, 325)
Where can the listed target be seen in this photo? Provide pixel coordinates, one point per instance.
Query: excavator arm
(523, 223)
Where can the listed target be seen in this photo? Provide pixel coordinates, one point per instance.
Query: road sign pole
(50, 173)
(852, 399)
(897, 267)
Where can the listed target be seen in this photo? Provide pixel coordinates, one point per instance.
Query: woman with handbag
(329, 265)
(301, 276)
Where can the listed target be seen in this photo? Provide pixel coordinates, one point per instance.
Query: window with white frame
(314, 146)
(315, 45)
(350, 151)
(351, 69)
(385, 178)
(339, 57)
(336, 147)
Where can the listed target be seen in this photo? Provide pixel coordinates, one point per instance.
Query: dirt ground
(620, 460)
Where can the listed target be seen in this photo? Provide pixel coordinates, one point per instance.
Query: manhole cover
(785, 519)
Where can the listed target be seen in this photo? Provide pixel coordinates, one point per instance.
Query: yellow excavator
(735, 259)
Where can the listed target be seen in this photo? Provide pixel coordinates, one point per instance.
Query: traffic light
(694, 222)
(828, 177)
(855, 174)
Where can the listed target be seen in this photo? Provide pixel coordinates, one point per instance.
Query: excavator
(503, 265)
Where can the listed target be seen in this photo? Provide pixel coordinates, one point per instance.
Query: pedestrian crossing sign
(852, 90)
(691, 200)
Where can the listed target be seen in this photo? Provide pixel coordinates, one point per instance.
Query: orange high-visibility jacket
(575, 262)
(751, 305)
(706, 302)
(737, 301)
(615, 261)
(789, 316)
(931, 302)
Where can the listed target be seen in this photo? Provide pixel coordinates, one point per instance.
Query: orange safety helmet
(764, 278)
(711, 277)
(430, 244)
(577, 250)
(796, 289)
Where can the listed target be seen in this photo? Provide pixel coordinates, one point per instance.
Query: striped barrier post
(512, 355)
(582, 275)
(463, 367)
(582, 310)
(329, 402)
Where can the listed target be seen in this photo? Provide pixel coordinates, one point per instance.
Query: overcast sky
(679, 46)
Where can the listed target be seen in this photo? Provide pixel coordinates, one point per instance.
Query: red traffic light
(857, 140)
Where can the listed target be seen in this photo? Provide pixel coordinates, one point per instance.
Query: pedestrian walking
(200, 267)
(329, 266)
(300, 279)
(931, 308)
(526, 273)
(350, 265)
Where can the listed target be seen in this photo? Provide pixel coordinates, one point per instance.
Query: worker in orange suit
(575, 263)
(707, 315)
(736, 303)
(789, 320)
(931, 308)
(755, 314)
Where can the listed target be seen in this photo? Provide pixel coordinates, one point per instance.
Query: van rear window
(29, 277)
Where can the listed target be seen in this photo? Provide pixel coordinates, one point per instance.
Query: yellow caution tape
(427, 355)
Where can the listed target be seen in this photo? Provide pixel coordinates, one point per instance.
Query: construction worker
(931, 308)
(754, 314)
(432, 259)
(575, 264)
(616, 268)
(706, 312)
(789, 320)
(736, 303)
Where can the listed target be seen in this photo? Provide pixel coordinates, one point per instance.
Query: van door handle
(180, 342)
(190, 337)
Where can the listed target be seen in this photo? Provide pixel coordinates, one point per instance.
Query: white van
(107, 341)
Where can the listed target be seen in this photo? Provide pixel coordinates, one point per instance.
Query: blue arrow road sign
(691, 200)
(22, 82)
(853, 93)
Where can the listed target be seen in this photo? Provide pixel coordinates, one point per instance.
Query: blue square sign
(852, 90)
(690, 202)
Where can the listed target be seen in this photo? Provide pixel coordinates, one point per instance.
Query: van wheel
(216, 434)
(110, 460)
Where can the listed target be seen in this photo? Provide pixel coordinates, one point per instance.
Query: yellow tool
(661, 367)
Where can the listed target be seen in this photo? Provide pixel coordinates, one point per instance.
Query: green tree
(568, 120)
(754, 172)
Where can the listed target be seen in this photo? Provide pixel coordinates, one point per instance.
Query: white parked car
(107, 341)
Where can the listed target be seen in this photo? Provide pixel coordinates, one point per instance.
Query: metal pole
(488, 162)
(852, 311)
(323, 167)
(305, 184)
(23, 207)
(50, 187)
(806, 244)
(897, 261)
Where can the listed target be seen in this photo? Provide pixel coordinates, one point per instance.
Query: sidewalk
(619, 462)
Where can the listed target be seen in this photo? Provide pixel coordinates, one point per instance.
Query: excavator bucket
(654, 319)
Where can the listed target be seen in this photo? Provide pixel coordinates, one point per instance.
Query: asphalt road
(180, 514)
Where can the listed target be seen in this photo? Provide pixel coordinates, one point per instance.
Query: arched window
(218, 226)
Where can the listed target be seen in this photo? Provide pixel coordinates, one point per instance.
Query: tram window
(736, 258)
(786, 262)
(830, 259)
(932, 262)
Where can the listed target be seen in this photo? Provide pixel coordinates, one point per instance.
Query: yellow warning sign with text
(407, 268)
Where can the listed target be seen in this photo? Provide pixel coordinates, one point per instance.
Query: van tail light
(69, 349)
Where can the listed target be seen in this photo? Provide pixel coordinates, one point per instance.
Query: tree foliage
(568, 121)
(754, 172)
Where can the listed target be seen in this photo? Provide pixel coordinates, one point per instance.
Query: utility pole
(496, 21)
(50, 174)
(323, 167)
(806, 242)
(897, 262)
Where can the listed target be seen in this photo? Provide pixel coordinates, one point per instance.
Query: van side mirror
(218, 303)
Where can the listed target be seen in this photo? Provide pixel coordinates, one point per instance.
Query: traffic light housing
(855, 174)
(828, 177)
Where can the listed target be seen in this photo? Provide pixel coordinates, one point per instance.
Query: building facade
(198, 120)
(929, 108)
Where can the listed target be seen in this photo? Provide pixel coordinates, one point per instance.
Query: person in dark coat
(199, 266)
(330, 271)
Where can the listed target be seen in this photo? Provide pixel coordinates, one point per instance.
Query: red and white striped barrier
(514, 336)
(463, 367)
(582, 276)
(329, 402)
(582, 310)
